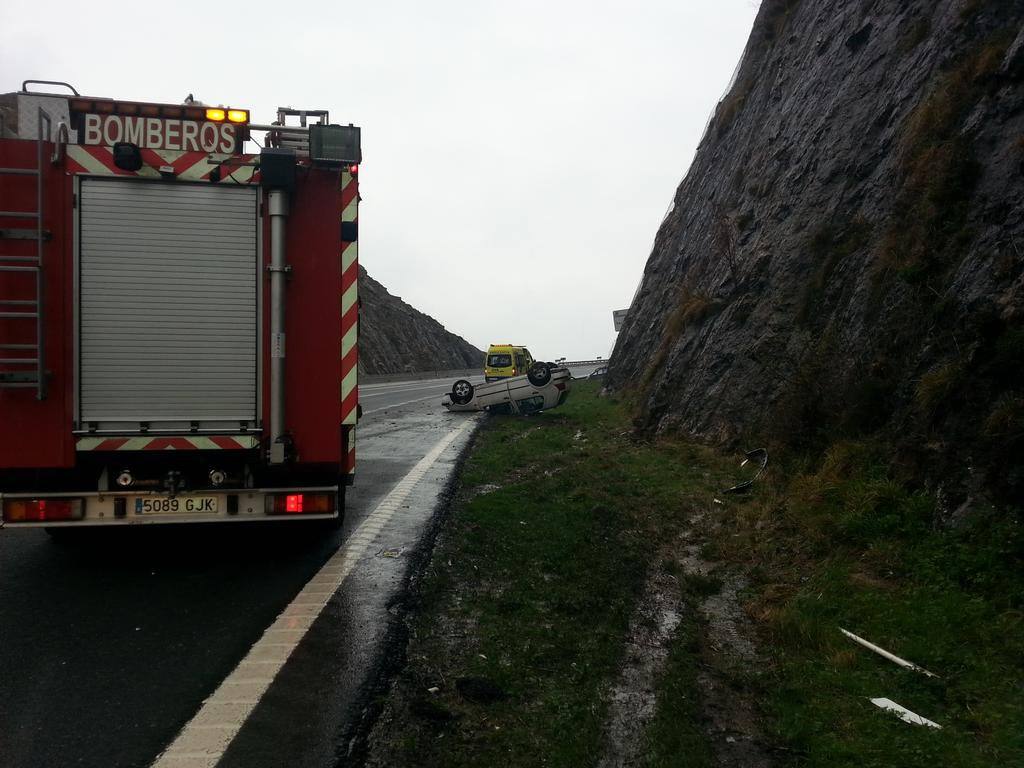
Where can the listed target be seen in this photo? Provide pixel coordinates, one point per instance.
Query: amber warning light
(219, 115)
(41, 510)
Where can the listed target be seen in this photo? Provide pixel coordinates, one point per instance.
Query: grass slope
(559, 519)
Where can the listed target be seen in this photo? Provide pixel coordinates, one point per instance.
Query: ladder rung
(4, 268)
(19, 171)
(17, 315)
(20, 214)
(19, 360)
(19, 302)
(19, 258)
(33, 347)
(16, 384)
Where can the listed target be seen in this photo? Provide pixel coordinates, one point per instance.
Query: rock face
(845, 256)
(395, 338)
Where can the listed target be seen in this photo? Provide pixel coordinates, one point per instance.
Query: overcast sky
(517, 156)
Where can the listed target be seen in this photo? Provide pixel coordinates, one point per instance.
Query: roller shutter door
(168, 312)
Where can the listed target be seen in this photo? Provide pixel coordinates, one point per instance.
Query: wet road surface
(376, 398)
(108, 646)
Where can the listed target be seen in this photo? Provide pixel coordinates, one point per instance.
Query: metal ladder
(23, 365)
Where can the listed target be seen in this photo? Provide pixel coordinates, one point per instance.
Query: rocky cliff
(845, 256)
(395, 338)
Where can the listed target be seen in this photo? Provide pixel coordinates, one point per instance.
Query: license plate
(165, 505)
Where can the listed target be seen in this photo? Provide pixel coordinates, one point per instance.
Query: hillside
(843, 259)
(395, 338)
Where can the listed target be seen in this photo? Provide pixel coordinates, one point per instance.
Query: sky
(518, 157)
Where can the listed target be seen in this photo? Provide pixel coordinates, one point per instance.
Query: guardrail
(581, 363)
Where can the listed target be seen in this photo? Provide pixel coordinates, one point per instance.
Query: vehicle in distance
(544, 386)
(504, 361)
(598, 373)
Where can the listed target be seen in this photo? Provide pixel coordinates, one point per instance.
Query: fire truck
(178, 317)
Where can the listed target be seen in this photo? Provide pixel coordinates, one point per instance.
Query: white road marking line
(393, 384)
(399, 405)
(206, 737)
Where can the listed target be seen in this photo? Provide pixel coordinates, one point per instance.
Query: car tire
(539, 374)
(462, 392)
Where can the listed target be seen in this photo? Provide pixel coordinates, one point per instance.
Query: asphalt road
(379, 398)
(110, 645)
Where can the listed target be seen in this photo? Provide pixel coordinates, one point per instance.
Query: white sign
(156, 133)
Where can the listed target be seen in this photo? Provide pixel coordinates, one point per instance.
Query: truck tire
(462, 392)
(539, 374)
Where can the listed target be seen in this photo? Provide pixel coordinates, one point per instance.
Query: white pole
(885, 654)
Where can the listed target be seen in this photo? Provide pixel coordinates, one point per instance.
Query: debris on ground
(886, 655)
(903, 713)
(758, 456)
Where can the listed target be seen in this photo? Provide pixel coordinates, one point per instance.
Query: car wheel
(539, 374)
(462, 392)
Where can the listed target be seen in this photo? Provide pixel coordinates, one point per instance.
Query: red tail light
(42, 510)
(302, 503)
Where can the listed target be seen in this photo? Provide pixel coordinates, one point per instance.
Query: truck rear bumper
(143, 508)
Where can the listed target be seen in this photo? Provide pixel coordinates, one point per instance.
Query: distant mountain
(395, 337)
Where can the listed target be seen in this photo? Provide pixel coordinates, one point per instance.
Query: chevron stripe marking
(188, 166)
(349, 299)
(349, 257)
(191, 443)
(349, 194)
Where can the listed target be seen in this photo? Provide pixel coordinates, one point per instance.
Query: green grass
(675, 736)
(541, 577)
(842, 544)
(532, 587)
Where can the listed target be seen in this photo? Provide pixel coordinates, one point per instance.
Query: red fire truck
(178, 317)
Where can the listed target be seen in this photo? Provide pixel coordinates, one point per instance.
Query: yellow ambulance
(505, 360)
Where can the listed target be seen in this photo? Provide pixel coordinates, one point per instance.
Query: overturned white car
(544, 386)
